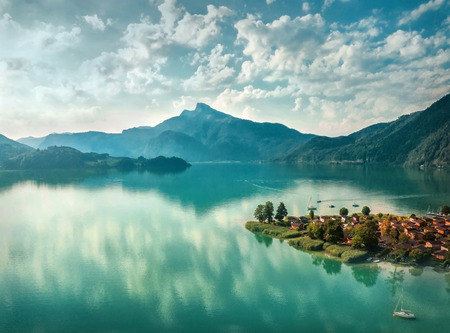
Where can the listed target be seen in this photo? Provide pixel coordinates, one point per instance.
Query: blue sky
(328, 67)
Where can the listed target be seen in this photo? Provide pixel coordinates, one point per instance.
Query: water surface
(139, 252)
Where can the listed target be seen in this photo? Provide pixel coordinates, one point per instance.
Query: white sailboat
(403, 313)
(310, 206)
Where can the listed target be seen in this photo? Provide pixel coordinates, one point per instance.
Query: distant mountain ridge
(10, 148)
(420, 138)
(203, 134)
(60, 158)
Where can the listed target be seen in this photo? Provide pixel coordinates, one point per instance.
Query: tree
(268, 211)
(380, 215)
(343, 211)
(315, 230)
(259, 213)
(366, 235)
(417, 255)
(333, 231)
(385, 227)
(311, 214)
(429, 236)
(394, 233)
(445, 210)
(403, 238)
(365, 210)
(281, 212)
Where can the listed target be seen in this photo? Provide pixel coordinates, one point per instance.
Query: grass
(272, 230)
(345, 252)
(307, 243)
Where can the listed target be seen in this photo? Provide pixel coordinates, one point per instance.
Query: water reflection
(365, 274)
(205, 186)
(130, 260)
(267, 241)
(331, 266)
(395, 280)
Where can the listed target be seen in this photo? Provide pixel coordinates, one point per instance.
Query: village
(410, 239)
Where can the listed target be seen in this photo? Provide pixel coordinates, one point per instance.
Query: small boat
(403, 313)
(331, 206)
(376, 261)
(318, 200)
(310, 206)
(355, 205)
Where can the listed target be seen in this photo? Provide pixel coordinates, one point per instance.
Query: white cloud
(306, 7)
(270, 1)
(214, 73)
(196, 31)
(419, 11)
(97, 23)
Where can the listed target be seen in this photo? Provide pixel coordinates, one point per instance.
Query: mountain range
(203, 134)
(420, 138)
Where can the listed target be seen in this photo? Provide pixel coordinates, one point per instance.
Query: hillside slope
(421, 138)
(203, 134)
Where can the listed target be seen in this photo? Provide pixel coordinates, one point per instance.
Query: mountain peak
(202, 107)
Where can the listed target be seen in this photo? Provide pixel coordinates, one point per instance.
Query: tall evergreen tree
(268, 211)
(281, 212)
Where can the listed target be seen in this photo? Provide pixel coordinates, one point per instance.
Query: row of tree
(266, 212)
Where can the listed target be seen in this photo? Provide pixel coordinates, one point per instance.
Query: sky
(328, 67)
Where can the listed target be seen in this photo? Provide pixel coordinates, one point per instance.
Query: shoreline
(341, 252)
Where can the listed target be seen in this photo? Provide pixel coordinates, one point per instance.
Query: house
(355, 218)
(433, 245)
(442, 231)
(324, 218)
(420, 223)
(420, 248)
(440, 255)
(428, 229)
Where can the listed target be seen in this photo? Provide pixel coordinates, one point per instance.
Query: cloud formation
(301, 64)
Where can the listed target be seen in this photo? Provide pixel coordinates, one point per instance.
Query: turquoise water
(139, 252)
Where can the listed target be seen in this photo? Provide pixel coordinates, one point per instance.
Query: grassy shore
(300, 240)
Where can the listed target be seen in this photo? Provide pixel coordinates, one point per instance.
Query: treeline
(70, 158)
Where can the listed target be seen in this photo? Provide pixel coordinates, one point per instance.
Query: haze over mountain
(10, 148)
(421, 138)
(203, 134)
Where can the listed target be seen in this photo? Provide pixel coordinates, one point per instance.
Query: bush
(272, 230)
(353, 255)
(337, 250)
(307, 243)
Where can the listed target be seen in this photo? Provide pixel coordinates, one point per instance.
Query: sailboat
(310, 206)
(318, 200)
(355, 204)
(403, 313)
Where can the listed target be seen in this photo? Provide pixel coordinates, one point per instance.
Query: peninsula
(361, 236)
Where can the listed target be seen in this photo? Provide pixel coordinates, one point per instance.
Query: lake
(140, 252)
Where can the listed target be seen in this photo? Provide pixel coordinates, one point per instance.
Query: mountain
(203, 134)
(420, 138)
(10, 148)
(60, 158)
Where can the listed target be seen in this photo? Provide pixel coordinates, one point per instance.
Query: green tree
(343, 211)
(403, 238)
(417, 255)
(365, 234)
(268, 211)
(311, 214)
(429, 236)
(394, 233)
(365, 210)
(333, 231)
(259, 213)
(281, 212)
(315, 230)
(445, 210)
